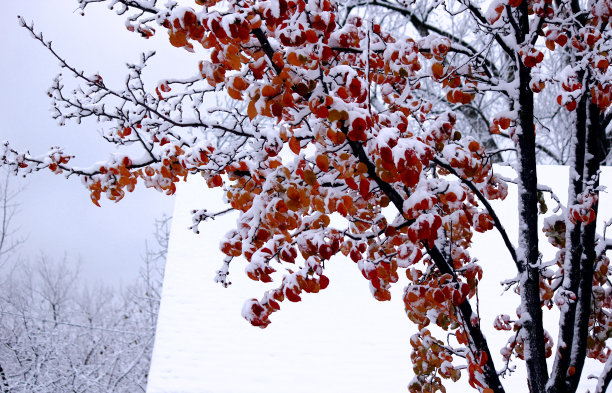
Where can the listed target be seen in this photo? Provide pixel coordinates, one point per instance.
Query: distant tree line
(59, 334)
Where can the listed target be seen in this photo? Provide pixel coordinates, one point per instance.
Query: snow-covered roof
(339, 340)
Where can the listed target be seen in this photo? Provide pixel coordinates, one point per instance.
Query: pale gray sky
(56, 214)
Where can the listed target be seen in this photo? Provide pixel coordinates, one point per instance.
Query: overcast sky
(56, 214)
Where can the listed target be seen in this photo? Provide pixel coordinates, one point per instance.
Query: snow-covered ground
(340, 340)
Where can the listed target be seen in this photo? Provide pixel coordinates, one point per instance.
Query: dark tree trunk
(593, 158)
(573, 246)
(528, 256)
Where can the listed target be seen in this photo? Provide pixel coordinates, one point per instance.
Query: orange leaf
(309, 177)
(95, 197)
(268, 91)
(504, 123)
(252, 110)
(437, 70)
(322, 162)
(294, 145)
(311, 36)
(178, 38)
(235, 94)
(293, 59)
(240, 84)
(364, 187)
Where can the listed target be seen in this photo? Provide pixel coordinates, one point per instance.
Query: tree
(59, 335)
(346, 134)
(9, 241)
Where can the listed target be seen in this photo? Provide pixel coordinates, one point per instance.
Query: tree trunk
(528, 252)
(594, 156)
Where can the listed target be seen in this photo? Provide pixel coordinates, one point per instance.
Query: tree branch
(498, 225)
(571, 264)
(424, 28)
(593, 158)
(465, 309)
(606, 376)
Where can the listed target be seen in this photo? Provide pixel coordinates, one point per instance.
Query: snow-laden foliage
(369, 129)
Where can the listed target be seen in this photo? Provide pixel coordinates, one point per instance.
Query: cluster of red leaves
(333, 157)
(583, 211)
(287, 206)
(115, 178)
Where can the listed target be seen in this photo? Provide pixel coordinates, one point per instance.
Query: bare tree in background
(58, 334)
(9, 240)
